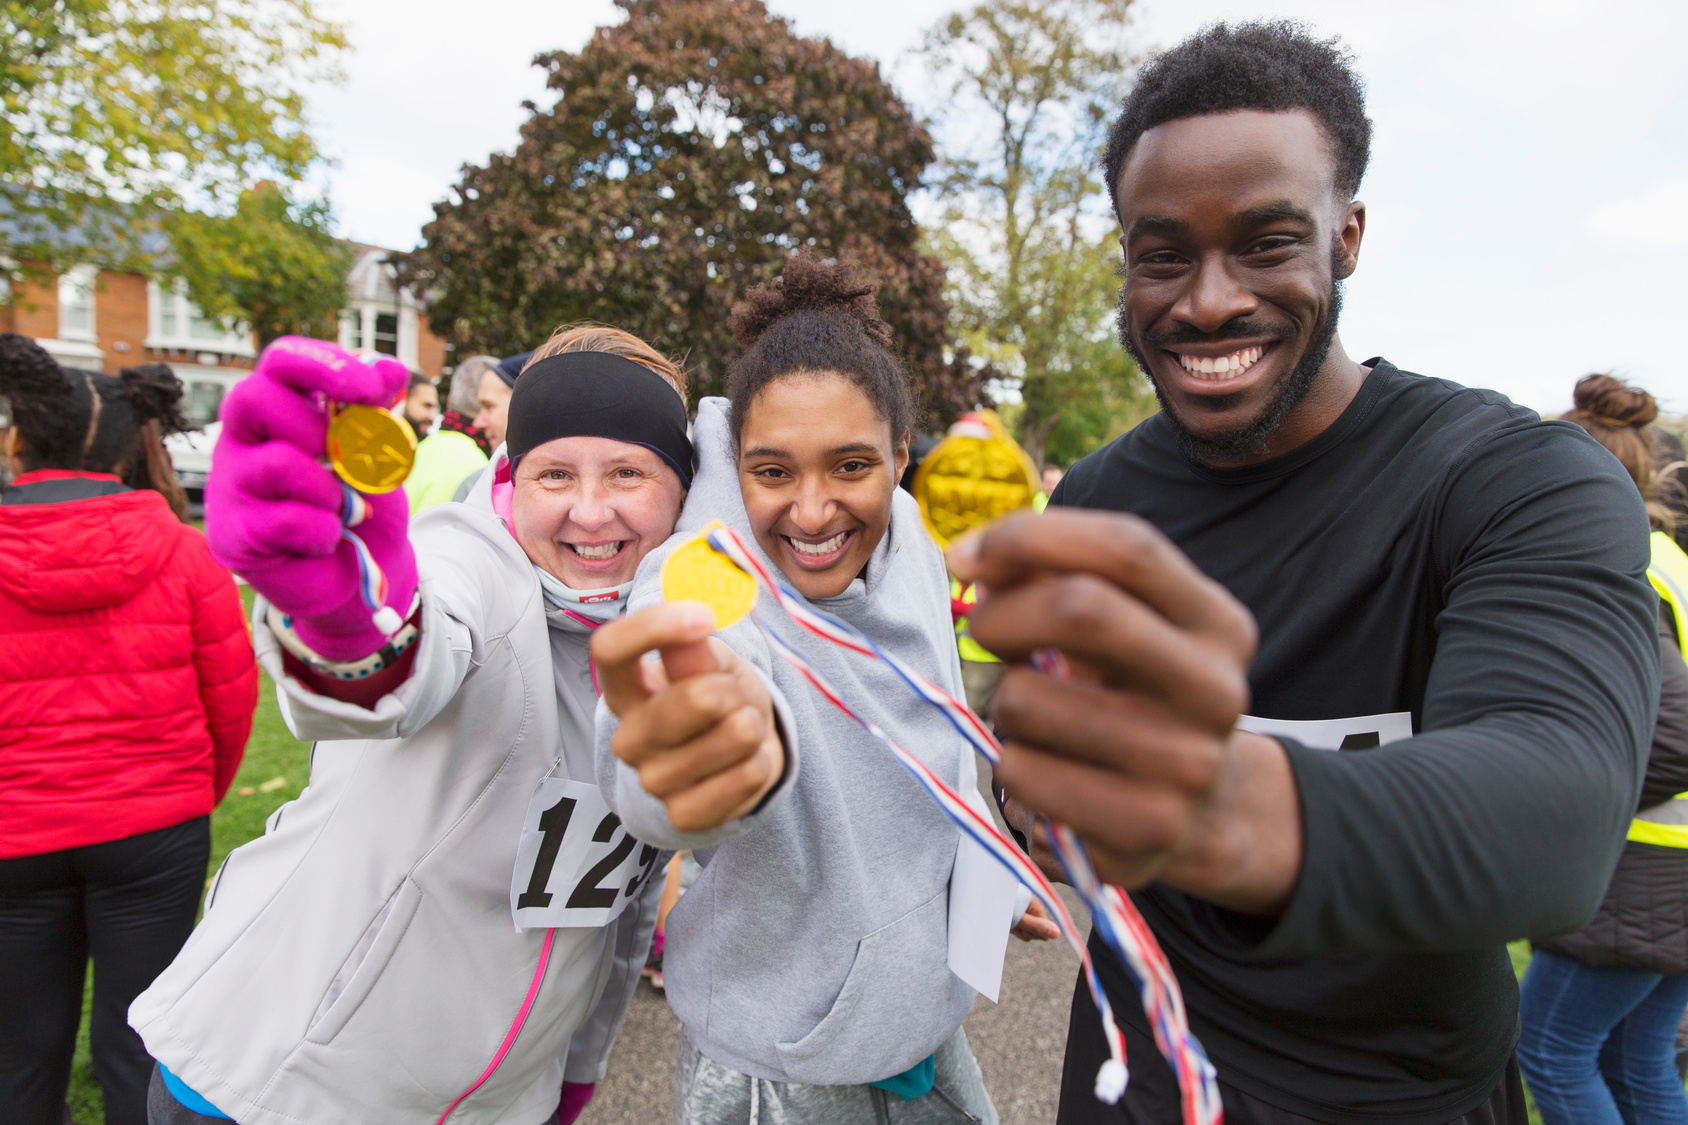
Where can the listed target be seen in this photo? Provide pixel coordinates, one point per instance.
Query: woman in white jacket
(448, 923)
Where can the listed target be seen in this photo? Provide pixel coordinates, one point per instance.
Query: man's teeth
(1225, 366)
(825, 547)
(596, 553)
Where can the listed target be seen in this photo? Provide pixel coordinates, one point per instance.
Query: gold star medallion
(370, 449)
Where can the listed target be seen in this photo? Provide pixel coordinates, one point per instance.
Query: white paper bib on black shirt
(1362, 732)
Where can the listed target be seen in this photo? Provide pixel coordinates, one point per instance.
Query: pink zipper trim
(515, 1028)
(591, 662)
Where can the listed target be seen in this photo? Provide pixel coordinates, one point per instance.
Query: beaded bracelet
(281, 627)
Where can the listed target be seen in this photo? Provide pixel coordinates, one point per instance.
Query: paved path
(1018, 1042)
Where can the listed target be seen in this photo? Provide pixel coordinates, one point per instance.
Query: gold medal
(370, 449)
(973, 476)
(697, 572)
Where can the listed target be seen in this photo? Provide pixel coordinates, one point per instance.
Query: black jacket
(1643, 921)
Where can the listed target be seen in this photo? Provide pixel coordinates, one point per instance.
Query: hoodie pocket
(363, 967)
(890, 1013)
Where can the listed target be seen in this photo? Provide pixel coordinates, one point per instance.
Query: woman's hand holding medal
(275, 513)
(699, 727)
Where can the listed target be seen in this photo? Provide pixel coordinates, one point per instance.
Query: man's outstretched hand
(699, 727)
(1138, 752)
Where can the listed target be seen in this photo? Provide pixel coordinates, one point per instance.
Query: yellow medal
(697, 572)
(973, 476)
(370, 449)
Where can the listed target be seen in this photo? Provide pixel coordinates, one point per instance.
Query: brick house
(104, 320)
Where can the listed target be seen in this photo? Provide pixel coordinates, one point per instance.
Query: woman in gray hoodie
(810, 963)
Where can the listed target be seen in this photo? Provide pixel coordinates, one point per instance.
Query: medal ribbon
(372, 580)
(1112, 913)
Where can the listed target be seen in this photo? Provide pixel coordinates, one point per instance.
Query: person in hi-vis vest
(980, 669)
(1600, 1007)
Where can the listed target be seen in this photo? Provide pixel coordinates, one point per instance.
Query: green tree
(113, 112)
(1030, 244)
(690, 149)
(273, 265)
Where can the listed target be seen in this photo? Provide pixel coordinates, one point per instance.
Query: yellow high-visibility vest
(1668, 572)
(965, 645)
(1666, 825)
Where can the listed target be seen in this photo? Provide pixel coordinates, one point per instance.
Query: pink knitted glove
(575, 1097)
(274, 513)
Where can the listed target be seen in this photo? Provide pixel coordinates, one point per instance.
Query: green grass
(272, 753)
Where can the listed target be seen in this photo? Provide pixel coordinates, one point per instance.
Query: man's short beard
(1249, 440)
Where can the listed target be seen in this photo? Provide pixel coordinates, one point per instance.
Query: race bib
(1363, 732)
(576, 866)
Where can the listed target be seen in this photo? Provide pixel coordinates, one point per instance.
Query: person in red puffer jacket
(127, 687)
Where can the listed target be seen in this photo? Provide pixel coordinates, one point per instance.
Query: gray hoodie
(813, 948)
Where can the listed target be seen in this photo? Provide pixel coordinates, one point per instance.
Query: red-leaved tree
(691, 148)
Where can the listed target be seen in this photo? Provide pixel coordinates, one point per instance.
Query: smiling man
(1367, 674)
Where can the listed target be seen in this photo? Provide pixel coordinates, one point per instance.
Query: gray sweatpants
(707, 1093)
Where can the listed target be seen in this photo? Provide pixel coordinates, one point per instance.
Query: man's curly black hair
(1273, 66)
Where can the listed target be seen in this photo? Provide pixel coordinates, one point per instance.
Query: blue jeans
(1598, 1045)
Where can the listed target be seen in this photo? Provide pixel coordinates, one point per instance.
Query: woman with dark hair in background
(1600, 1007)
(127, 684)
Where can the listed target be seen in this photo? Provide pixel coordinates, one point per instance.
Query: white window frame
(357, 327)
(76, 284)
(357, 319)
(235, 340)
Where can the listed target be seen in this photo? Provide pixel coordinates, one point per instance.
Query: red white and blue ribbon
(372, 580)
(1112, 913)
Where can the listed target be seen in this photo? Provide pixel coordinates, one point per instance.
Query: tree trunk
(1035, 433)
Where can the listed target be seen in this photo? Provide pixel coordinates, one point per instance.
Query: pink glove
(274, 514)
(575, 1097)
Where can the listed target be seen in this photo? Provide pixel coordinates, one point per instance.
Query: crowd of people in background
(1372, 673)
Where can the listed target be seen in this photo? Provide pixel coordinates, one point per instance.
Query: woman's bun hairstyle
(818, 318)
(1611, 401)
(1614, 414)
(155, 395)
(808, 285)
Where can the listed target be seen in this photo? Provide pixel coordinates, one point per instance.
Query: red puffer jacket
(127, 681)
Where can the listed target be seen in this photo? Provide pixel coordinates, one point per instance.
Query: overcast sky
(1527, 198)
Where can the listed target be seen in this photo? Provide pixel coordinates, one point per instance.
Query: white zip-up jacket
(358, 963)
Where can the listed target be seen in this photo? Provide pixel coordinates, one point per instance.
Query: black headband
(596, 394)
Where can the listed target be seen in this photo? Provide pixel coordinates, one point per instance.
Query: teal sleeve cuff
(915, 1082)
(184, 1094)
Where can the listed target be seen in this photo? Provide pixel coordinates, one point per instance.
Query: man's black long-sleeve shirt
(1443, 552)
